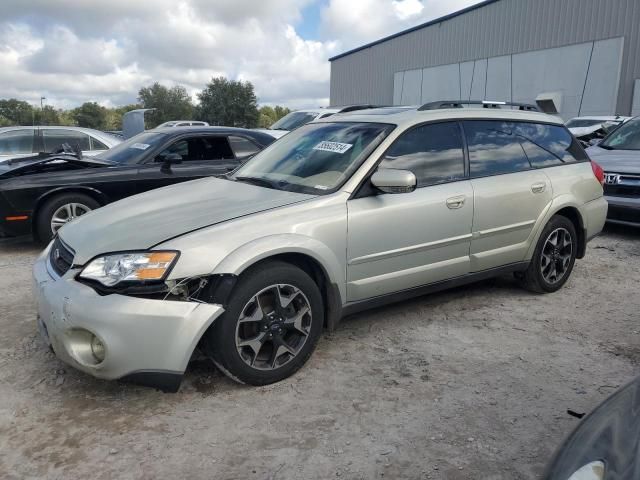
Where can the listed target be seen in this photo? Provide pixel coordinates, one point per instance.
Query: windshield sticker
(140, 146)
(335, 147)
(321, 187)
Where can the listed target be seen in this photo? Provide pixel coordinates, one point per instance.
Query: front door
(401, 241)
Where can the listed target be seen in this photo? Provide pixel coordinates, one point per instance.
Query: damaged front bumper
(144, 340)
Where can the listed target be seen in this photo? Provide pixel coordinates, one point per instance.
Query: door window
(494, 148)
(54, 138)
(242, 147)
(432, 152)
(97, 144)
(200, 149)
(15, 142)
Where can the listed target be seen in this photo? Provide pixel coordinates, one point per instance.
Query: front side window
(54, 138)
(16, 142)
(316, 158)
(494, 148)
(432, 152)
(625, 137)
(199, 149)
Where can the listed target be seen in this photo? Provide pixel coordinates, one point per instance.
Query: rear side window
(242, 147)
(494, 148)
(97, 144)
(16, 142)
(54, 138)
(432, 152)
(548, 145)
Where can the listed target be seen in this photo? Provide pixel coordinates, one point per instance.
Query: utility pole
(42, 99)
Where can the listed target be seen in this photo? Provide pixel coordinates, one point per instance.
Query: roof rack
(485, 104)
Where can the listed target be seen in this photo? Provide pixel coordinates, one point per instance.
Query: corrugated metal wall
(500, 28)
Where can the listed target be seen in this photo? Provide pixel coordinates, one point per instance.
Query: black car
(606, 443)
(39, 194)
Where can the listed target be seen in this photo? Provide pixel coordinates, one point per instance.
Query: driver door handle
(454, 203)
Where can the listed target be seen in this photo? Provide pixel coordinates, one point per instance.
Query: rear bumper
(624, 210)
(594, 214)
(146, 341)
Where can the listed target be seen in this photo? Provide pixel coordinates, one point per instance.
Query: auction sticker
(335, 147)
(140, 146)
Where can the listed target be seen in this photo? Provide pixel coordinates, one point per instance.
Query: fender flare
(252, 252)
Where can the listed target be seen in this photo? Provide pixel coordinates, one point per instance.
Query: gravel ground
(470, 383)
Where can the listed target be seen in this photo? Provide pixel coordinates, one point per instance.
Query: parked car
(587, 129)
(16, 142)
(619, 155)
(296, 119)
(342, 214)
(41, 193)
(604, 446)
(183, 123)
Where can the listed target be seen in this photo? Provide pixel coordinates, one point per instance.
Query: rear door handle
(456, 202)
(538, 187)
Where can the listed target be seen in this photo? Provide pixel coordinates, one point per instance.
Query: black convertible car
(39, 194)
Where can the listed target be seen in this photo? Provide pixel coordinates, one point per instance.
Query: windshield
(293, 120)
(130, 151)
(316, 158)
(577, 122)
(625, 137)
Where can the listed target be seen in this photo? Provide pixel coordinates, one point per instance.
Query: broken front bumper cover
(147, 341)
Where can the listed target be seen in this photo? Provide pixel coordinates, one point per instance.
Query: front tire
(59, 210)
(554, 257)
(271, 326)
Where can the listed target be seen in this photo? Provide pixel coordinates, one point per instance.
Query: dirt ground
(471, 383)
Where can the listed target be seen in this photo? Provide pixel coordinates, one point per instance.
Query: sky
(73, 51)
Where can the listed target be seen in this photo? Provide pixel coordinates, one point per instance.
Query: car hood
(145, 220)
(618, 161)
(273, 133)
(581, 131)
(34, 163)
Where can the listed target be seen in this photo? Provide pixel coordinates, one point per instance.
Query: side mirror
(168, 160)
(389, 180)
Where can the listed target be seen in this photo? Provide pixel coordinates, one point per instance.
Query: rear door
(202, 156)
(401, 241)
(509, 194)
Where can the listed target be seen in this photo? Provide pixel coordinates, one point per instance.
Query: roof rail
(485, 104)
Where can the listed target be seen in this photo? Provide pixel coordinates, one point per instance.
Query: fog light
(97, 349)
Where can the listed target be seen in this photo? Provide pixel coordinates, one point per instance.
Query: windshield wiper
(261, 182)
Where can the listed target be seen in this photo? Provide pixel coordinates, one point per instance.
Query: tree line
(222, 102)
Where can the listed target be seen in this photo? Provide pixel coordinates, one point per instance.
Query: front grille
(60, 257)
(622, 190)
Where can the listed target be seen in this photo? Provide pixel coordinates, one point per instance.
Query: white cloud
(72, 51)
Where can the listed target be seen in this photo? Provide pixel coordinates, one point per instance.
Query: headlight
(112, 269)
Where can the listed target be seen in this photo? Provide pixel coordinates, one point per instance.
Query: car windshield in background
(293, 120)
(131, 150)
(625, 137)
(316, 158)
(577, 123)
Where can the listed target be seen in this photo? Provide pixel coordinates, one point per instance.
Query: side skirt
(354, 307)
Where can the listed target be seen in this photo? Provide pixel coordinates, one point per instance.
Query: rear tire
(271, 326)
(64, 208)
(553, 258)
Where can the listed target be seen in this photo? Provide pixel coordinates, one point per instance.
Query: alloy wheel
(66, 213)
(556, 255)
(273, 327)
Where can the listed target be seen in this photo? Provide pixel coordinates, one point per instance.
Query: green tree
(114, 116)
(47, 116)
(16, 112)
(91, 115)
(229, 102)
(270, 115)
(170, 103)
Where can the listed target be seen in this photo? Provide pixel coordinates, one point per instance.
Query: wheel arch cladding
(573, 214)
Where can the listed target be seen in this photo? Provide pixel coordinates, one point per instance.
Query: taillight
(598, 172)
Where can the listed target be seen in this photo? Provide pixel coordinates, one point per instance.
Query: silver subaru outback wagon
(343, 214)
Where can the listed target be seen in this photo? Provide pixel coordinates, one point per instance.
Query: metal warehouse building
(587, 51)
